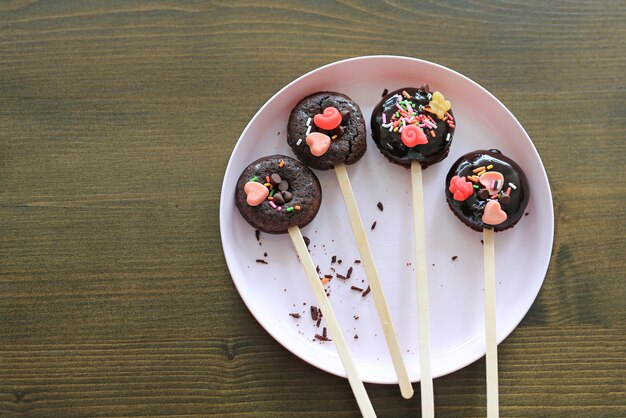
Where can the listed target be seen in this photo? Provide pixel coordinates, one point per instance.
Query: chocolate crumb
(328, 276)
(307, 241)
(339, 261)
(322, 338)
(294, 315)
(454, 257)
(356, 317)
(358, 289)
(258, 260)
(482, 242)
(433, 264)
(373, 225)
(349, 274)
(257, 234)
(333, 260)
(317, 268)
(356, 337)
(367, 291)
(380, 206)
(385, 92)
(324, 334)
(357, 261)
(526, 214)
(264, 254)
(314, 313)
(341, 276)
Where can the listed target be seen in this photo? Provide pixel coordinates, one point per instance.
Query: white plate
(274, 290)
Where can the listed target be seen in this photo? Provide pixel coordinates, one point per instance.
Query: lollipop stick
(426, 384)
(358, 388)
(490, 323)
(406, 389)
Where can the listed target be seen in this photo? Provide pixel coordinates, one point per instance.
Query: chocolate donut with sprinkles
(485, 189)
(326, 128)
(413, 124)
(276, 192)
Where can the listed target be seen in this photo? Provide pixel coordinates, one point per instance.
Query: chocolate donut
(327, 128)
(413, 124)
(485, 189)
(276, 192)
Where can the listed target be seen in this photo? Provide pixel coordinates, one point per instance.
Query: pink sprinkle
(421, 125)
(407, 120)
(508, 191)
(408, 106)
(401, 129)
(272, 204)
(400, 107)
(384, 119)
(449, 116)
(279, 208)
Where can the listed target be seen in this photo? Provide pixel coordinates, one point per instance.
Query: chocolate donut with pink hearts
(276, 192)
(485, 189)
(326, 128)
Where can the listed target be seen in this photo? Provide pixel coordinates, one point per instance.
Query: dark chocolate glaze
(351, 141)
(470, 211)
(390, 143)
(303, 185)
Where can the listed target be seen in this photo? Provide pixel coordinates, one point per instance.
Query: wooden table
(117, 120)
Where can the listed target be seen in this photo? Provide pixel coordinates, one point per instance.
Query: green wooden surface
(117, 119)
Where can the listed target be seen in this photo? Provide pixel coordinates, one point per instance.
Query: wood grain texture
(116, 127)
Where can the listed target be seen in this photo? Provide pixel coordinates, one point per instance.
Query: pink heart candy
(318, 143)
(256, 193)
(493, 181)
(493, 214)
(329, 119)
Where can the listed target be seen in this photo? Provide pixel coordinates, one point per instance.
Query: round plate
(272, 291)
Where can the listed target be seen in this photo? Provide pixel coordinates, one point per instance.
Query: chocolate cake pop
(485, 189)
(413, 124)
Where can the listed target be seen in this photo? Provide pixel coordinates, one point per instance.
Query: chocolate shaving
(324, 334)
(380, 206)
(294, 315)
(373, 225)
(349, 273)
(333, 260)
(454, 257)
(358, 289)
(356, 337)
(258, 260)
(367, 291)
(307, 241)
(322, 338)
(257, 234)
(314, 313)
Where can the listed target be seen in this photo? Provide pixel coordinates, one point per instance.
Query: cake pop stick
(489, 193)
(278, 178)
(413, 128)
(326, 130)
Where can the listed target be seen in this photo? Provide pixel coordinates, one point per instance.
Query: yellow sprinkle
(267, 184)
(476, 170)
(333, 137)
(395, 129)
(481, 173)
(490, 166)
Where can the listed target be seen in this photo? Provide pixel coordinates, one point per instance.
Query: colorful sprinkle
(513, 186)
(255, 178)
(289, 209)
(272, 204)
(490, 166)
(299, 142)
(308, 131)
(297, 207)
(405, 94)
(308, 122)
(478, 170)
(448, 137)
(508, 191)
(281, 164)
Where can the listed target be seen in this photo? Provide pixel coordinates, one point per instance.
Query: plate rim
(223, 208)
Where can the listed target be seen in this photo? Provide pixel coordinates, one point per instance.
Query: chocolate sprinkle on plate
(357, 261)
(314, 313)
(333, 260)
(294, 315)
(358, 289)
(257, 234)
(369, 289)
(341, 276)
(261, 261)
(356, 337)
(380, 206)
(322, 338)
(349, 273)
(454, 257)
(373, 225)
